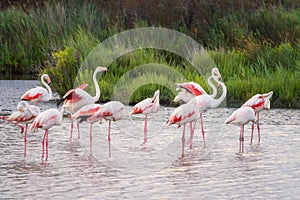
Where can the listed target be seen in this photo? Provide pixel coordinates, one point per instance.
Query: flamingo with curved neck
(204, 102)
(191, 89)
(76, 98)
(39, 94)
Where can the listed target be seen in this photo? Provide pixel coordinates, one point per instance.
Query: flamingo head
(46, 76)
(101, 69)
(216, 73)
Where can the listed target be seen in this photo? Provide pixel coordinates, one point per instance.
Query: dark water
(270, 170)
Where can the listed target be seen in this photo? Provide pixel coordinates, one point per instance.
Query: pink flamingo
(76, 98)
(45, 120)
(191, 89)
(147, 106)
(241, 117)
(204, 102)
(82, 114)
(258, 102)
(39, 94)
(25, 114)
(110, 111)
(181, 115)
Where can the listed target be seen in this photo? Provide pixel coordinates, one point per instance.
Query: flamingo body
(45, 120)
(240, 117)
(76, 98)
(110, 111)
(181, 115)
(39, 94)
(258, 103)
(145, 107)
(25, 115)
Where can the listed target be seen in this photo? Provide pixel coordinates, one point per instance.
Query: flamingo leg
(242, 139)
(77, 124)
(91, 139)
(43, 143)
(252, 132)
(25, 140)
(192, 133)
(71, 129)
(47, 144)
(202, 128)
(108, 138)
(258, 128)
(183, 141)
(145, 130)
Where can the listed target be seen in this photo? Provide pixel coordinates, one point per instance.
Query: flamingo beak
(49, 80)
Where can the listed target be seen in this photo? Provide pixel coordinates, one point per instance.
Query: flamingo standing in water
(147, 106)
(191, 89)
(45, 120)
(204, 102)
(110, 111)
(76, 98)
(39, 94)
(181, 115)
(25, 115)
(258, 102)
(240, 117)
(82, 114)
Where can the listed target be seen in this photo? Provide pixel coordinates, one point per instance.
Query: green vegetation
(255, 46)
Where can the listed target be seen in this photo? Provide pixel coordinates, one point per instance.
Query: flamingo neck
(46, 86)
(212, 86)
(216, 102)
(98, 92)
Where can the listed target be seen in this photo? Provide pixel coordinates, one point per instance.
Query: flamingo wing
(256, 102)
(192, 87)
(33, 94)
(142, 106)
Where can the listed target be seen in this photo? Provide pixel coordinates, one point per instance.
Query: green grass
(256, 50)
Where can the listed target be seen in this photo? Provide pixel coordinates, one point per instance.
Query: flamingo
(204, 102)
(45, 120)
(76, 98)
(181, 115)
(83, 113)
(39, 94)
(191, 89)
(25, 114)
(110, 111)
(241, 117)
(258, 102)
(145, 107)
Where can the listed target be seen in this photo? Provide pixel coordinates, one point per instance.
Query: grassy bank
(256, 47)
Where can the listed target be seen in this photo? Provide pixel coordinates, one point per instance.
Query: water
(267, 171)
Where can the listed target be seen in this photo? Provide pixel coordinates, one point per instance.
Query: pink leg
(252, 132)
(71, 129)
(202, 128)
(108, 138)
(43, 143)
(47, 145)
(77, 124)
(258, 128)
(192, 134)
(25, 140)
(183, 141)
(242, 139)
(91, 139)
(145, 130)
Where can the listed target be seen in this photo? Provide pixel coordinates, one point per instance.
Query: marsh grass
(256, 50)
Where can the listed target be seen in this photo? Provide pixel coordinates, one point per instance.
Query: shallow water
(270, 170)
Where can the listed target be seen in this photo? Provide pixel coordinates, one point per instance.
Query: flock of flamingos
(83, 108)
